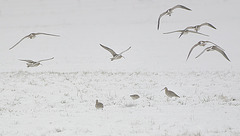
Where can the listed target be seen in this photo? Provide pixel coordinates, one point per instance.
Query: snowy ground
(58, 97)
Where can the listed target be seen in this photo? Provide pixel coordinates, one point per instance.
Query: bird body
(214, 48)
(32, 36)
(170, 93)
(114, 54)
(31, 63)
(98, 105)
(169, 12)
(134, 96)
(201, 43)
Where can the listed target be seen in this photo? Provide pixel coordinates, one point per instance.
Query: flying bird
(114, 54)
(169, 13)
(31, 36)
(31, 63)
(197, 27)
(185, 31)
(214, 48)
(202, 43)
(170, 93)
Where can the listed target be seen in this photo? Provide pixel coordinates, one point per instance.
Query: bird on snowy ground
(170, 93)
(98, 105)
(31, 36)
(114, 54)
(31, 63)
(169, 13)
(134, 96)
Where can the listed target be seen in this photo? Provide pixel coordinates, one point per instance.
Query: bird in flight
(202, 43)
(197, 27)
(31, 36)
(31, 63)
(169, 13)
(114, 54)
(185, 31)
(214, 48)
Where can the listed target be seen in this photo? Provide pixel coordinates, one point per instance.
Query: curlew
(169, 13)
(201, 43)
(170, 93)
(185, 31)
(98, 105)
(31, 63)
(134, 96)
(215, 48)
(31, 36)
(114, 54)
(197, 27)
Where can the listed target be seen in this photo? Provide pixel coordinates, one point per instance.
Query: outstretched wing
(47, 34)
(173, 31)
(125, 50)
(216, 48)
(197, 32)
(191, 50)
(215, 45)
(203, 51)
(19, 42)
(160, 16)
(29, 61)
(181, 6)
(208, 24)
(108, 49)
(46, 59)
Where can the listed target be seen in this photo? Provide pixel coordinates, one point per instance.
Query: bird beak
(123, 57)
(163, 89)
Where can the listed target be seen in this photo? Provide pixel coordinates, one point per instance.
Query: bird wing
(215, 45)
(46, 34)
(191, 50)
(197, 32)
(19, 42)
(46, 59)
(173, 31)
(216, 48)
(189, 27)
(29, 61)
(208, 24)
(108, 49)
(180, 6)
(125, 50)
(160, 16)
(204, 51)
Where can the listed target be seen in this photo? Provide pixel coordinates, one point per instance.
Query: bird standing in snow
(134, 96)
(98, 105)
(170, 93)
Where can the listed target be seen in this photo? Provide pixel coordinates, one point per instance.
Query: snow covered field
(58, 97)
